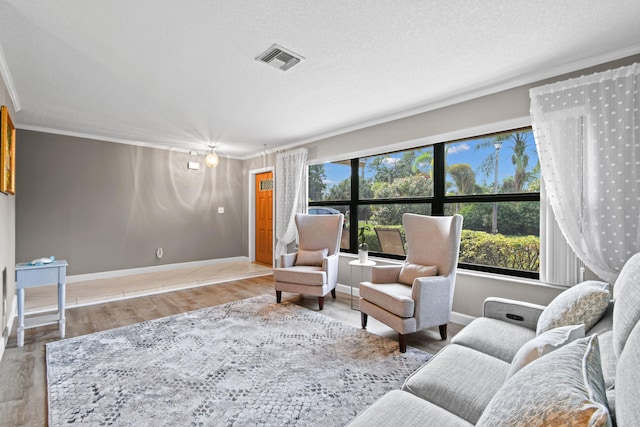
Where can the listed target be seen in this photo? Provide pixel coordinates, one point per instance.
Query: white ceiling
(182, 73)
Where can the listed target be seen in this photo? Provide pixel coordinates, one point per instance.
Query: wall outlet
(220, 209)
(159, 253)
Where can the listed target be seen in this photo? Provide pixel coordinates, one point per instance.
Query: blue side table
(31, 276)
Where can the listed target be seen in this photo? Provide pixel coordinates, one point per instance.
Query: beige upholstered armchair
(418, 294)
(313, 269)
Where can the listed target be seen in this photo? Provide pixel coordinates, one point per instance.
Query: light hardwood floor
(23, 398)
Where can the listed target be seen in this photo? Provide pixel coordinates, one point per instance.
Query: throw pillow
(543, 344)
(564, 388)
(312, 258)
(410, 272)
(583, 303)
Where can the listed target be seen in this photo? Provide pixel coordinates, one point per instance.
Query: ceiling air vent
(279, 57)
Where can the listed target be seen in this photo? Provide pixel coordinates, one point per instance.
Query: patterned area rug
(249, 362)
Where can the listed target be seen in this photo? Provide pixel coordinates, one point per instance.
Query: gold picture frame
(8, 153)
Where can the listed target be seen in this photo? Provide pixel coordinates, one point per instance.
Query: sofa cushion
(626, 294)
(563, 388)
(543, 344)
(494, 337)
(583, 303)
(410, 272)
(611, 402)
(460, 380)
(605, 324)
(608, 358)
(401, 408)
(313, 258)
(627, 380)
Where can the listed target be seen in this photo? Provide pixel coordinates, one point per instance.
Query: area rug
(249, 362)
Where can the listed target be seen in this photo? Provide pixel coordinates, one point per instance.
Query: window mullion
(354, 203)
(439, 178)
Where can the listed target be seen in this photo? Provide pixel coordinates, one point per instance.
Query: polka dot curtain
(587, 132)
(291, 198)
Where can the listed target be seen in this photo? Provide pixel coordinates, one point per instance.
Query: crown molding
(158, 146)
(8, 82)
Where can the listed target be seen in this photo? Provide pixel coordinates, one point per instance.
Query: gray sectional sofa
(573, 362)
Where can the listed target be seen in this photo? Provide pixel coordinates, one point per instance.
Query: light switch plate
(220, 209)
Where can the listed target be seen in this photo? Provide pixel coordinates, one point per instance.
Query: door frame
(252, 211)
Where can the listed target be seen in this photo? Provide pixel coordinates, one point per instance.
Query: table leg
(351, 283)
(62, 319)
(20, 317)
(351, 296)
(351, 286)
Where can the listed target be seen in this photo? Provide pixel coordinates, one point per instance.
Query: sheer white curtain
(290, 196)
(587, 131)
(559, 264)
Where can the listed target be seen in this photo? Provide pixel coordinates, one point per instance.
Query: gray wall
(104, 206)
(7, 236)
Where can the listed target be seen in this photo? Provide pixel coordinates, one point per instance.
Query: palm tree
(520, 159)
(464, 177)
(423, 163)
(519, 144)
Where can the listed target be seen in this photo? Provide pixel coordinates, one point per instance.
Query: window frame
(437, 201)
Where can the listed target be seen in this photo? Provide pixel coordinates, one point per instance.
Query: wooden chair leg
(402, 340)
(443, 331)
(278, 297)
(363, 319)
(333, 293)
(321, 302)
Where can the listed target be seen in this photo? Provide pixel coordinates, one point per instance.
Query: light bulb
(211, 160)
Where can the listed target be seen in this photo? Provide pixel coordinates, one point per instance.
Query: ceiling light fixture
(212, 158)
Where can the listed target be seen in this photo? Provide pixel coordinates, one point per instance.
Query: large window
(492, 181)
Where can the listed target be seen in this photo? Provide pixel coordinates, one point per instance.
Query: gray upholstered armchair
(418, 294)
(313, 269)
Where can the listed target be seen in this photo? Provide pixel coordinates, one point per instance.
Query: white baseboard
(5, 334)
(152, 269)
(346, 289)
(460, 318)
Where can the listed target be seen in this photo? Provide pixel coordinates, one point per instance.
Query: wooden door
(264, 218)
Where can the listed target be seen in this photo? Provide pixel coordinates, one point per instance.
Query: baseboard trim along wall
(7, 331)
(153, 269)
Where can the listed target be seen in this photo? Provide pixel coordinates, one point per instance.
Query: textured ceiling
(183, 74)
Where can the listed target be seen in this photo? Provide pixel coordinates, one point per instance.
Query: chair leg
(279, 296)
(402, 340)
(321, 302)
(363, 318)
(333, 293)
(443, 331)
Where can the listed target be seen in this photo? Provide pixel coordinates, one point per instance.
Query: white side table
(362, 266)
(31, 276)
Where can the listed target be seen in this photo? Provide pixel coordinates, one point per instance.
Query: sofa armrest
(517, 312)
(288, 260)
(385, 273)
